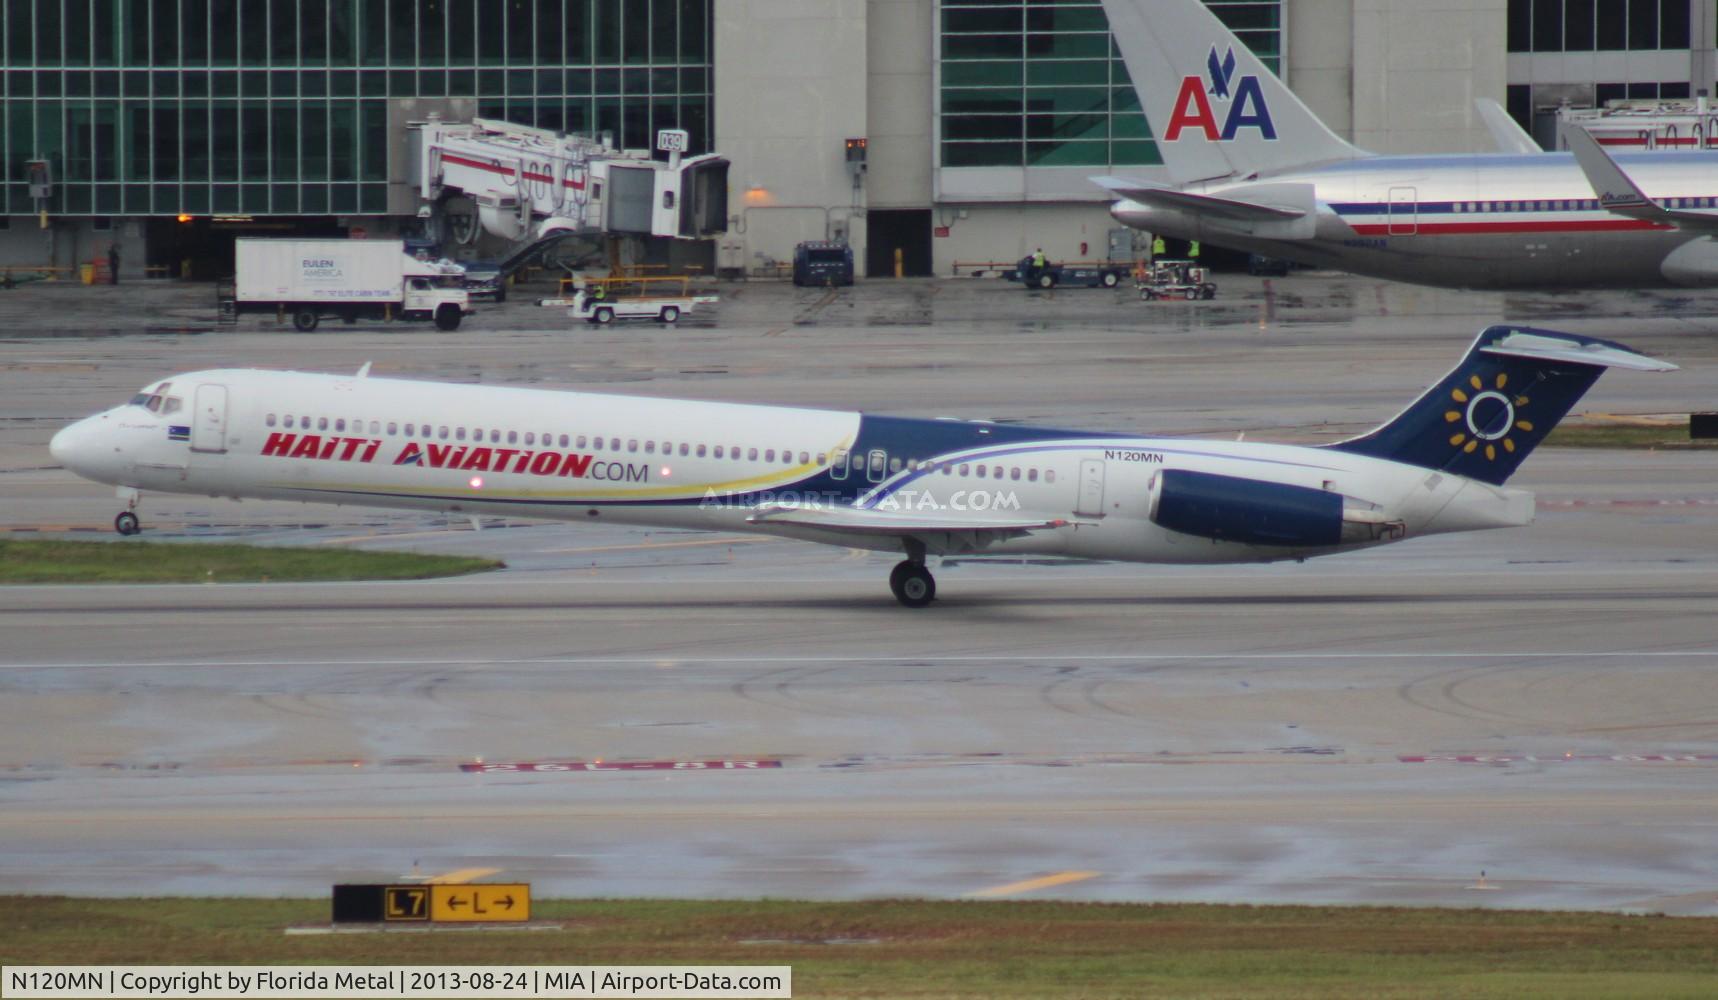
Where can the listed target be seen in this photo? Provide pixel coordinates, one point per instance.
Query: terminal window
(1035, 84)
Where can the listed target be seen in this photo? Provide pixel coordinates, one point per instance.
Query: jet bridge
(528, 184)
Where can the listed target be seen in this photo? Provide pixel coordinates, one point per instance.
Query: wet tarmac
(1380, 727)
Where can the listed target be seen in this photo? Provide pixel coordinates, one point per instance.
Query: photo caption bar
(413, 981)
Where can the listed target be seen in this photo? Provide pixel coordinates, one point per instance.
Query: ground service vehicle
(350, 279)
(1176, 279)
(1259, 264)
(820, 262)
(664, 308)
(1081, 275)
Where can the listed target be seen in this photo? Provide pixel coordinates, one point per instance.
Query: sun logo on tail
(1489, 415)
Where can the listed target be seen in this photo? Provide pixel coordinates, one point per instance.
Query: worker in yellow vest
(1159, 248)
(1193, 250)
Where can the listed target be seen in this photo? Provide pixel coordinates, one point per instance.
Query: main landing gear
(127, 523)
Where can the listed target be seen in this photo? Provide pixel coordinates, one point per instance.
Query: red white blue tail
(1215, 109)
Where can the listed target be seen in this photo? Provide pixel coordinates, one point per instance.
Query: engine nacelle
(1254, 512)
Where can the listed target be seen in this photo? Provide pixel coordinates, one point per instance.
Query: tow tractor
(663, 307)
(1175, 279)
(1076, 274)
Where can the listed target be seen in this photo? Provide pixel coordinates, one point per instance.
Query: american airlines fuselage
(1477, 221)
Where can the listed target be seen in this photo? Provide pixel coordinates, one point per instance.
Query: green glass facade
(280, 107)
(1040, 83)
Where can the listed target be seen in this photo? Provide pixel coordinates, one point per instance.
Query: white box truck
(349, 279)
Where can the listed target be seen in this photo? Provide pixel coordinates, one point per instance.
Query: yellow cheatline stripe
(1031, 884)
(462, 875)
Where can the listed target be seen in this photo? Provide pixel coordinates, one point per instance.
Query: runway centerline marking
(460, 876)
(1049, 657)
(1031, 885)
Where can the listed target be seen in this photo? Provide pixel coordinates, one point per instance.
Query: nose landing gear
(127, 523)
(912, 583)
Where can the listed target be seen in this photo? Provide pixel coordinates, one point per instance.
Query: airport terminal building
(923, 132)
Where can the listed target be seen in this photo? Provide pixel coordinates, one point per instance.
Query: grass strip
(926, 949)
(43, 561)
(1634, 436)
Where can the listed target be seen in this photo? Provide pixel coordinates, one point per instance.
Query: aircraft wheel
(912, 584)
(126, 523)
(670, 314)
(1110, 279)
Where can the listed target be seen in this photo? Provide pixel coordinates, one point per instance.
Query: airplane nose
(61, 446)
(74, 448)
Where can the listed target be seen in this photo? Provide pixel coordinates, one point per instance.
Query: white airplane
(1254, 169)
(920, 487)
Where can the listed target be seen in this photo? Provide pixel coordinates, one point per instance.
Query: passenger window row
(873, 464)
(546, 439)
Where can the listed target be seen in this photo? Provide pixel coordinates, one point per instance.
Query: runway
(1537, 704)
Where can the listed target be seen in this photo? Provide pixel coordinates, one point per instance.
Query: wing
(1619, 193)
(1268, 207)
(941, 532)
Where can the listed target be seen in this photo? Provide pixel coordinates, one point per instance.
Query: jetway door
(630, 192)
(1404, 211)
(209, 422)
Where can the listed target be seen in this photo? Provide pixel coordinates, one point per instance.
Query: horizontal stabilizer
(855, 520)
(1619, 193)
(1597, 353)
(1263, 202)
(1509, 136)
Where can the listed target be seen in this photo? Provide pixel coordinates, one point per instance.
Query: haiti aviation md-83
(919, 487)
(1254, 169)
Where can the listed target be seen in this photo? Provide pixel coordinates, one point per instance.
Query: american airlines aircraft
(918, 487)
(1254, 169)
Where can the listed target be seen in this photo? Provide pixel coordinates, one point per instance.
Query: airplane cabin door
(209, 421)
(1404, 211)
(1091, 501)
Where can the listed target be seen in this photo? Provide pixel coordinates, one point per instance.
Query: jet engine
(1255, 512)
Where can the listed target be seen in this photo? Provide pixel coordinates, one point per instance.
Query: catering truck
(348, 279)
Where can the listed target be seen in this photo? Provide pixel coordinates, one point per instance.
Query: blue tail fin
(1482, 419)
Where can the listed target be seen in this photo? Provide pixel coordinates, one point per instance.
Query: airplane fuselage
(590, 457)
(1476, 221)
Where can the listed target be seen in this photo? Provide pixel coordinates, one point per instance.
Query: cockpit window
(156, 400)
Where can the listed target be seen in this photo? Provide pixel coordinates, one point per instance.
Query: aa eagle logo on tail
(1246, 106)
